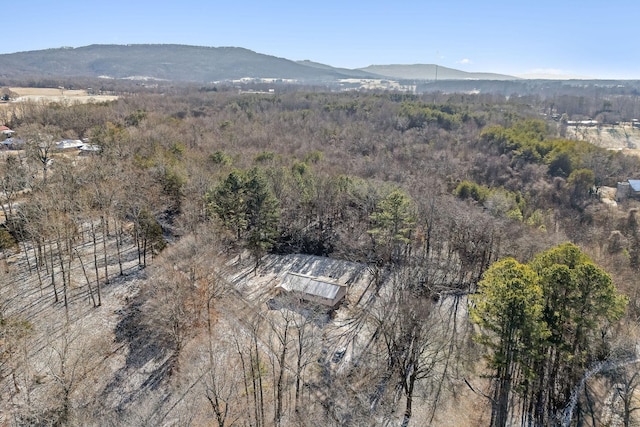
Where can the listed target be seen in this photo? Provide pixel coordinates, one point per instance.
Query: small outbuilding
(628, 189)
(634, 185)
(323, 291)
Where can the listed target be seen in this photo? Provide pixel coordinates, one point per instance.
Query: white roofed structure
(6, 131)
(13, 143)
(314, 289)
(90, 148)
(69, 143)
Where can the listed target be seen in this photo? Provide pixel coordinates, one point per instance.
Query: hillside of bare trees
(487, 282)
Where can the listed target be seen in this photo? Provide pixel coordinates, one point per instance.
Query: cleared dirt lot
(623, 137)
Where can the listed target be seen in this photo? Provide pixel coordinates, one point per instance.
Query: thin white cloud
(465, 61)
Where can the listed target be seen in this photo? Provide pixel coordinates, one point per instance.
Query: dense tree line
(546, 323)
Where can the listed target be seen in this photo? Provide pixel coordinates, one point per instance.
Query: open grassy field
(57, 95)
(46, 95)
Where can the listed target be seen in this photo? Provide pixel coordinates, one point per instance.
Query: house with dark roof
(634, 188)
(628, 189)
(319, 290)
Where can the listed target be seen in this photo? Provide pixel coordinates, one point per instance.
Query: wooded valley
(490, 277)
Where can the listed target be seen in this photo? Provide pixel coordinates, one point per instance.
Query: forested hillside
(487, 283)
(178, 63)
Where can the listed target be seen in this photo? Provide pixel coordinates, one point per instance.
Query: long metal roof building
(314, 289)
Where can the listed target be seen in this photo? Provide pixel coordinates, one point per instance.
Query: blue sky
(589, 38)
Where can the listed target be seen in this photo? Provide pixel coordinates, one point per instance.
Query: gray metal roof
(69, 143)
(11, 141)
(635, 184)
(310, 285)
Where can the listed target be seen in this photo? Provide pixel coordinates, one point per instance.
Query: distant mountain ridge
(348, 73)
(430, 72)
(187, 63)
(163, 62)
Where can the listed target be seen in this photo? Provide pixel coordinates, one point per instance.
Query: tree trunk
(86, 276)
(144, 252)
(104, 248)
(136, 236)
(299, 367)
(53, 274)
(95, 262)
(256, 403)
(407, 411)
(64, 280)
(244, 377)
(283, 355)
(259, 378)
(26, 253)
(118, 227)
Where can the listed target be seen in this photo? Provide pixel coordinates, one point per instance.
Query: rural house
(13, 143)
(313, 289)
(6, 131)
